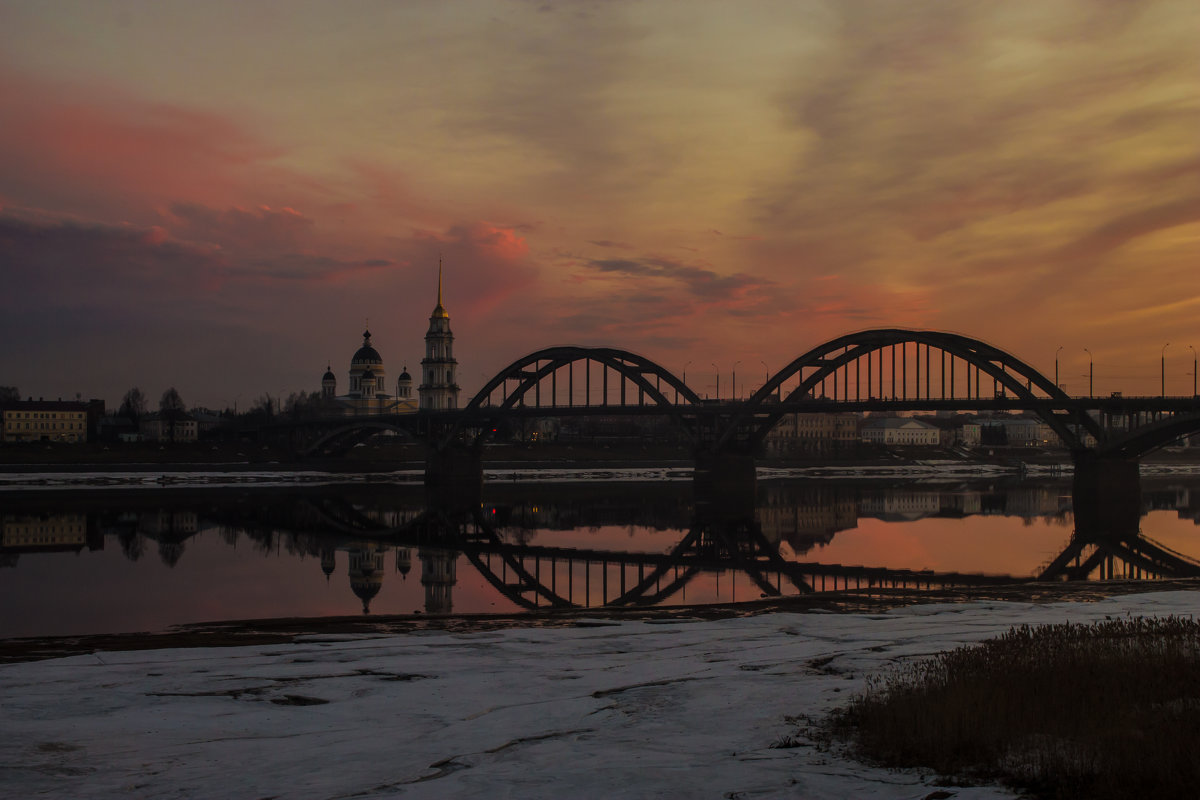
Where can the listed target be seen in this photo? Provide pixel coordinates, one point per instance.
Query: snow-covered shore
(605, 709)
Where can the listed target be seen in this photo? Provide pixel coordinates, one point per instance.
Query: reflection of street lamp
(1090, 370)
(1056, 352)
(1162, 392)
(717, 370)
(1193, 370)
(735, 391)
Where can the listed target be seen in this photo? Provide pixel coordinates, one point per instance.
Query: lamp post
(1162, 391)
(1193, 349)
(766, 372)
(685, 366)
(1056, 352)
(1091, 371)
(717, 370)
(735, 391)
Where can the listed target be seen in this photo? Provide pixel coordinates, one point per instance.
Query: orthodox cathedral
(368, 392)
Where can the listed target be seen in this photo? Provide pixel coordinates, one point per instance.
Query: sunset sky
(216, 195)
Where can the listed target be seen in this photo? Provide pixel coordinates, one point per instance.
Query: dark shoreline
(249, 456)
(289, 630)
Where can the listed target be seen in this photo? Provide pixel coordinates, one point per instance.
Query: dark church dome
(366, 354)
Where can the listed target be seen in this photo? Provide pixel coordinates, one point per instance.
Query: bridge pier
(725, 486)
(454, 479)
(1106, 497)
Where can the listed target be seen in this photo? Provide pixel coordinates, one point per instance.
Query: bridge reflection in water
(530, 543)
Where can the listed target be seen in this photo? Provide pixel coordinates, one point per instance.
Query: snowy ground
(605, 710)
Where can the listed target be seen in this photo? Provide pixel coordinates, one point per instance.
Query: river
(79, 561)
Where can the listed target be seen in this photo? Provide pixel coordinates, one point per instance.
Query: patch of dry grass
(1108, 710)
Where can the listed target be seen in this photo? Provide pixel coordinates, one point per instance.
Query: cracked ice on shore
(606, 709)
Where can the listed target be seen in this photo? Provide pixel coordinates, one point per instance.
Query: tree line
(266, 407)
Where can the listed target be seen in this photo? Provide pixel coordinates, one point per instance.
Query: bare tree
(265, 405)
(9, 394)
(172, 412)
(303, 404)
(171, 401)
(133, 405)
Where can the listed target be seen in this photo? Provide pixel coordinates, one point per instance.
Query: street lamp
(1193, 370)
(1056, 352)
(735, 391)
(766, 372)
(685, 366)
(1091, 371)
(1163, 375)
(717, 370)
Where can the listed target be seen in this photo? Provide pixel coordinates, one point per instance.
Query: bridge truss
(898, 369)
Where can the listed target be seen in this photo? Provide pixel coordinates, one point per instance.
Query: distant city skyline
(215, 196)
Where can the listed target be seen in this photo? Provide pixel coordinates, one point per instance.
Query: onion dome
(366, 354)
(366, 589)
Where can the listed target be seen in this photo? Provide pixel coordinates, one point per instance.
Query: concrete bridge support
(725, 486)
(454, 479)
(1107, 497)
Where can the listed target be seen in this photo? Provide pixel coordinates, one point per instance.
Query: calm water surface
(122, 561)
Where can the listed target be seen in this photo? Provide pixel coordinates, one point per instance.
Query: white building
(170, 426)
(901, 431)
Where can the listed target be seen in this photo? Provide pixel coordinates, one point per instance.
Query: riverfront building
(901, 431)
(45, 421)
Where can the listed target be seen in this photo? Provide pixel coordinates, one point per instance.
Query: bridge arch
(356, 431)
(1150, 437)
(547, 381)
(843, 358)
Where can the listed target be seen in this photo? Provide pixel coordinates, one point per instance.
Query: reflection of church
(366, 572)
(368, 391)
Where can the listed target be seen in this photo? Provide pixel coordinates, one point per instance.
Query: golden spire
(439, 311)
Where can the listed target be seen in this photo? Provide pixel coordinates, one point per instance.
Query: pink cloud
(94, 151)
(242, 230)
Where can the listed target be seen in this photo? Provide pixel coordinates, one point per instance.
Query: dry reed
(1108, 710)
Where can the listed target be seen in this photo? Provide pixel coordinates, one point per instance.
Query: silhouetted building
(439, 385)
(368, 393)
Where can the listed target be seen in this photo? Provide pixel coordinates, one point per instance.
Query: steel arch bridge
(882, 368)
(609, 377)
(863, 369)
(886, 369)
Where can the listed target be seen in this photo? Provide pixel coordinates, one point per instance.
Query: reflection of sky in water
(219, 577)
(1001, 545)
(624, 538)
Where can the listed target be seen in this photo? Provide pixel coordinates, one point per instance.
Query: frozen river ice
(606, 709)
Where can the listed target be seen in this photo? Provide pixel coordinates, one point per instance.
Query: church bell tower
(439, 386)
